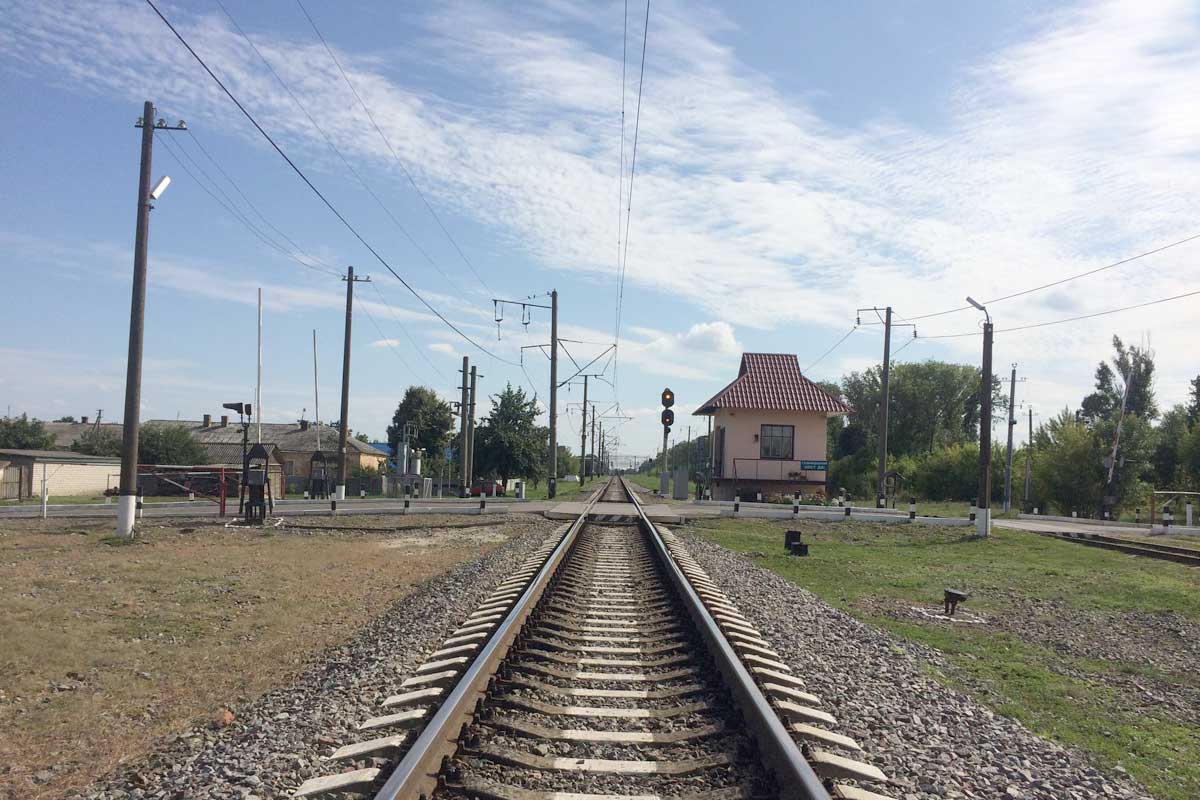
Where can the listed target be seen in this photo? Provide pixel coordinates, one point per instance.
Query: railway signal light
(668, 400)
(668, 417)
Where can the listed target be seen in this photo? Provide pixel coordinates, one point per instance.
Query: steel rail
(793, 774)
(418, 772)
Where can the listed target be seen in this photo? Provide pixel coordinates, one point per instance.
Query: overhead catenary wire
(1067, 279)
(300, 173)
(392, 149)
(637, 120)
(1067, 319)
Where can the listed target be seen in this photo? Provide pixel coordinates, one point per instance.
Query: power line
(1069, 319)
(388, 142)
(404, 330)
(637, 120)
(385, 340)
(1024, 292)
(237, 188)
(345, 222)
(836, 345)
(336, 150)
(227, 203)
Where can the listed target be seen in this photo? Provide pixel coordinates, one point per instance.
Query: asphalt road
(283, 508)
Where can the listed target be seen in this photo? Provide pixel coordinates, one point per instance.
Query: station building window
(775, 442)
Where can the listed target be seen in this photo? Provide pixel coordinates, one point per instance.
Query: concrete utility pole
(552, 484)
(600, 444)
(1029, 464)
(316, 392)
(583, 434)
(592, 460)
(881, 492)
(1012, 421)
(983, 517)
(258, 383)
(471, 432)
(463, 410)
(127, 501)
(343, 454)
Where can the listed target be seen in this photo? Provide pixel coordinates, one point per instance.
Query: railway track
(1165, 552)
(608, 666)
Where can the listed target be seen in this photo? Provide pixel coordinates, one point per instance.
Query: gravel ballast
(276, 742)
(932, 741)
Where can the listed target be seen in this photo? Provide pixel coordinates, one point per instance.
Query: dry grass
(108, 648)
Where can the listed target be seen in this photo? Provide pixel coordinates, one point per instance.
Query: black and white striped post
(847, 512)
(333, 507)
(971, 516)
(737, 504)
(406, 505)
(482, 502)
(1137, 516)
(1168, 518)
(912, 509)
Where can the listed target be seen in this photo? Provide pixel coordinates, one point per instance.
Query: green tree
(23, 433)
(1068, 465)
(432, 417)
(1170, 435)
(1133, 364)
(508, 442)
(1193, 407)
(67, 418)
(931, 404)
(362, 437)
(168, 444)
(568, 462)
(98, 442)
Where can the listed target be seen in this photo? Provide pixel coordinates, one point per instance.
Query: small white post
(46, 495)
(1188, 512)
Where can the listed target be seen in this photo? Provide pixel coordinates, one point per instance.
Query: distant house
(66, 473)
(769, 430)
(291, 444)
(295, 442)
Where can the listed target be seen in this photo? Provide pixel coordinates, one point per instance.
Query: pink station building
(769, 430)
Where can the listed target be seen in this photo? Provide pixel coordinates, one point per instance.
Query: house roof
(59, 456)
(66, 433)
(287, 436)
(772, 382)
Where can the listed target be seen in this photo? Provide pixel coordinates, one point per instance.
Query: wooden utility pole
(583, 434)
(463, 410)
(881, 492)
(127, 499)
(1029, 464)
(1008, 456)
(983, 517)
(552, 484)
(343, 453)
(471, 433)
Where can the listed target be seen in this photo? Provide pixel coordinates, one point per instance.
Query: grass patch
(1076, 701)
(566, 490)
(110, 645)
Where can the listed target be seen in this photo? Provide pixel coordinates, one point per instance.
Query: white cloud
(386, 343)
(443, 347)
(1061, 151)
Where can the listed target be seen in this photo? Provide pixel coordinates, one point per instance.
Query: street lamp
(983, 516)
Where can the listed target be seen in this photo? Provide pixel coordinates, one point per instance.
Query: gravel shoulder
(932, 741)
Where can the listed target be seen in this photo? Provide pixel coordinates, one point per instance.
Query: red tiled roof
(772, 382)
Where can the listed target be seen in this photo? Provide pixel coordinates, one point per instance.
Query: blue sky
(794, 163)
